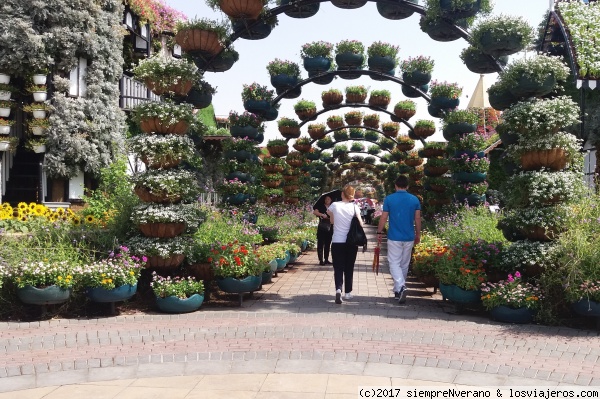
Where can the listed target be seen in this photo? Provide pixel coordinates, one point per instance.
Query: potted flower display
(248, 9)
(237, 268)
(167, 75)
(357, 147)
(539, 188)
(405, 143)
(163, 117)
(433, 149)
(380, 98)
(317, 56)
(458, 122)
(424, 260)
(9, 143)
(535, 76)
(289, 128)
(219, 63)
(460, 276)
(424, 128)
(390, 129)
(445, 95)
(161, 151)
(325, 143)
(356, 133)
(257, 99)
(537, 116)
(405, 109)
(37, 145)
(6, 106)
(302, 145)
(332, 97)
(370, 120)
(436, 167)
(458, 9)
(42, 282)
(177, 294)
(477, 61)
(511, 300)
(165, 221)
(39, 92)
(37, 127)
(554, 152)
(500, 95)
(161, 253)
(356, 94)
(353, 118)
(5, 125)
(305, 109)
(471, 193)
(349, 4)
(335, 121)
(386, 143)
(374, 149)
(383, 57)
(204, 35)
(284, 74)
(295, 159)
(245, 124)
(6, 91)
(469, 169)
(201, 94)
(277, 148)
(413, 159)
(502, 35)
(371, 136)
(339, 150)
(341, 135)
(470, 144)
(316, 131)
(165, 186)
(349, 55)
(38, 110)
(112, 279)
(416, 71)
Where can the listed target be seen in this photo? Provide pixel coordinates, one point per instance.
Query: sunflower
(76, 221)
(32, 206)
(60, 211)
(22, 205)
(90, 219)
(40, 209)
(23, 218)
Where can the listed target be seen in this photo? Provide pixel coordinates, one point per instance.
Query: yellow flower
(22, 205)
(60, 211)
(76, 221)
(32, 206)
(59, 278)
(131, 273)
(89, 219)
(40, 209)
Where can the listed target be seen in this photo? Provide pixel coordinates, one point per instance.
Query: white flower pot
(4, 145)
(38, 149)
(4, 129)
(4, 112)
(39, 79)
(5, 95)
(39, 113)
(40, 96)
(4, 78)
(38, 130)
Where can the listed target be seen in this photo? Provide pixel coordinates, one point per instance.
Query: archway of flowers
(372, 129)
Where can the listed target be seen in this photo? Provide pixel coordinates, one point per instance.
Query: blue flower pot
(436, 112)
(469, 177)
(482, 63)
(294, 93)
(510, 315)
(241, 176)
(43, 296)
(235, 286)
(284, 81)
(221, 62)
(117, 294)
(386, 75)
(348, 4)
(304, 245)
(266, 277)
(280, 263)
(503, 100)
(322, 80)
(527, 87)
(381, 64)
(293, 258)
(395, 12)
(445, 102)
(458, 295)
(317, 64)
(349, 61)
(173, 304)
(458, 129)
(236, 199)
(412, 93)
(271, 114)
(274, 265)
(498, 45)
(587, 307)
(260, 137)
(198, 99)
(256, 32)
(416, 78)
(244, 131)
(471, 199)
(257, 106)
(305, 11)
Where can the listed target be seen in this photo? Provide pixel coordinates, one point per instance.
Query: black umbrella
(335, 195)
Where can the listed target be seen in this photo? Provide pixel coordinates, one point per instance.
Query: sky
(333, 24)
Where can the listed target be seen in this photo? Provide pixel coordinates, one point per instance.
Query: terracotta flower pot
(405, 114)
(356, 121)
(155, 125)
(241, 9)
(332, 98)
(146, 196)
(273, 168)
(290, 132)
(306, 114)
(157, 262)
(374, 123)
(316, 134)
(554, 159)
(302, 147)
(335, 124)
(413, 162)
(353, 98)
(180, 88)
(379, 101)
(162, 230)
(405, 146)
(198, 40)
(390, 133)
(423, 132)
(278, 151)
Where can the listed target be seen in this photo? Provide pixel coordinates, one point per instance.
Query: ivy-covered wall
(85, 133)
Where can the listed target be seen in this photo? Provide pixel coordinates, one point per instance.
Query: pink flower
(517, 275)
(510, 278)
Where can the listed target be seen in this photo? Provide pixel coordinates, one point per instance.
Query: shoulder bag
(356, 235)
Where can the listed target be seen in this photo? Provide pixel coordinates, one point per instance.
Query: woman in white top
(343, 255)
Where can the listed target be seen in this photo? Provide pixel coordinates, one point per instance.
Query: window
(78, 87)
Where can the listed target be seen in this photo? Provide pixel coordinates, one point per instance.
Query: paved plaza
(290, 340)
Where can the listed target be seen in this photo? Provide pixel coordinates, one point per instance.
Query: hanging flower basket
(432, 152)
(317, 133)
(162, 230)
(435, 171)
(273, 168)
(354, 98)
(304, 148)
(158, 262)
(379, 101)
(413, 162)
(355, 121)
(469, 177)
(241, 9)
(416, 78)
(423, 132)
(155, 125)
(180, 88)
(304, 11)
(467, 10)
(405, 146)
(348, 4)
(317, 65)
(404, 114)
(395, 11)
(165, 162)
(278, 151)
(440, 30)
(538, 233)
(334, 124)
(373, 123)
(527, 87)
(306, 114)
(412, 93)
(332, 98)
(198, 40)
(146, 196)
(554, 159)
(290, 132)
(244, 131)
(257, 32)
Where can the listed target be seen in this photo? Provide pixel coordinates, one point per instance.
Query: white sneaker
(338, 296)
(348, 296)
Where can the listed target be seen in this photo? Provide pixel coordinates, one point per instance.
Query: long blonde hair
(348, 191)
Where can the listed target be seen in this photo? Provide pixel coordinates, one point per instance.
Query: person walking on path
(404, 212)
(324, 231)
(343, 255)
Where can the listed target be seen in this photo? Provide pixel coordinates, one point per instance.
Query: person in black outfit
(324, 232)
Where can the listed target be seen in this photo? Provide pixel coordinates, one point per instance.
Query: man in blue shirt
(404, 212)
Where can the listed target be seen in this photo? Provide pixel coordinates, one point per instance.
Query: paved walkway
(291, 340)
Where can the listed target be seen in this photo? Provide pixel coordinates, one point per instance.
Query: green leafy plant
(417, 64)
(335, 118)
(276, 143)
(460, 116)
(317, 49)
(167, 112)
(304, 105)
(234, 260)
(501, 27)
(424, 124)
(36, 88)
(164, 72)
(390, 126)
(288, 122)
(257, 92)
(406, 104)
(359, 90)
(381, 93)
(455, 267)
(350, 46)
(6, 122)
(41, 274)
